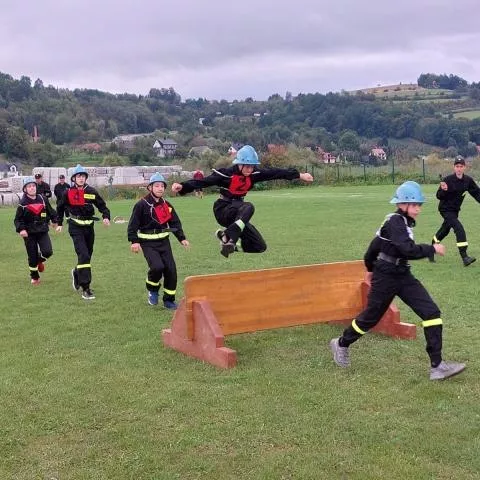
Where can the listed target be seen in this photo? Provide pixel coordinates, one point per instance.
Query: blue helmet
(246, 156)
(77, 170)
(157, 177)
(408, 192)
(28, 180)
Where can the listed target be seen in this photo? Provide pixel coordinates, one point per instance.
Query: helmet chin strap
(153, 195)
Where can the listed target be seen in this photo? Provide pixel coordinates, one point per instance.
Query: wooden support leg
(207, 340)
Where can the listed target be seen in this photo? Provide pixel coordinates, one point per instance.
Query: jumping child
(33, 215)
(152, 220)
(230, 210)
(387, 257)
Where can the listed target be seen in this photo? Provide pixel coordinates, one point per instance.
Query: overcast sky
(233, 49)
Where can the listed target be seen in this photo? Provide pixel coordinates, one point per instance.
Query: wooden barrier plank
(239, 302)
(279, 297)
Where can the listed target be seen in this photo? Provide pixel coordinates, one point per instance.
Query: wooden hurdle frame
(230, 303)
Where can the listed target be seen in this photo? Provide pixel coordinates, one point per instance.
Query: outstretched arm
(306, 177)
(189, 186)
(282, 174)
(474, 190)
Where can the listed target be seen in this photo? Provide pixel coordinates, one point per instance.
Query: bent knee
(260, 248)
(157, 271)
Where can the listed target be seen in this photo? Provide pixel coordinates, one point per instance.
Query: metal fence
(392, 173)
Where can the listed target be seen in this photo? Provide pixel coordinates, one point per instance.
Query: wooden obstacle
(229, 303)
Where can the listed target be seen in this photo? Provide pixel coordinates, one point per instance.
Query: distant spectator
(61, 187)
(198, 175)
(43, 188)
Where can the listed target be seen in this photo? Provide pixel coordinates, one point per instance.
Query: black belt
(231, 199)
(395, 260)
(158, 230)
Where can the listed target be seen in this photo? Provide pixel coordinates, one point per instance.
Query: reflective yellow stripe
(432, 323)
(240, 224)
(85, 265)
(170, 292)
(43, 214)
(153, 236)
(154, 284)
(81, 222)
(33, 269)
(89, 196)
(435, 239)
(357, 328)
(462, 244)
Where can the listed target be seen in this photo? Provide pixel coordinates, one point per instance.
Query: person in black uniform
(387, 261)
(230, 210)
(60, 187)
(79, 201)
(32, 217)
(152, 220)
(451, 193)
(43, 188)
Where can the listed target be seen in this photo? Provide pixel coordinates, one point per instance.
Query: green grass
(89, 392)
(469, 114)
(83, 158)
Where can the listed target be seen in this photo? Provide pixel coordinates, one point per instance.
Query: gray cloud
(218, 49)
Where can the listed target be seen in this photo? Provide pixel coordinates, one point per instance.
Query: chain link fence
(392, 173)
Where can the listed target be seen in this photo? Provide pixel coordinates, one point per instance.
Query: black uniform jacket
(235, 185)
(146, 219)
(451, 200)
(59, 189)
(79, 202)
(43, 189)
(33, 215)
(395, 239)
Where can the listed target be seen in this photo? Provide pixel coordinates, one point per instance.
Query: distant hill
(343, 121)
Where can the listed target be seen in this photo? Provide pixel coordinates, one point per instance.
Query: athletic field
(89, 392)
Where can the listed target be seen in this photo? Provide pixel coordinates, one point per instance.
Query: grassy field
(89, 392)
(469, 114)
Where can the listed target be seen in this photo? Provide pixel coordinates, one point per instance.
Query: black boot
(465, 258)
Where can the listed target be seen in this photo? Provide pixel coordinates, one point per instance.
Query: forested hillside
(335, 121)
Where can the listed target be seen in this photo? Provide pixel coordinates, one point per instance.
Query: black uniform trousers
(450, 220)
(83, 237)
(227, 212)
(161, 263)
(389, 281)
(39, 248)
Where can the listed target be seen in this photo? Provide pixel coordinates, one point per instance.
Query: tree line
(334, 121)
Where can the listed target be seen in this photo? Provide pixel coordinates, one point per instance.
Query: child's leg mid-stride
(169, 277)
(383, 290)
(381, 295)
(31, 245)
(155, 272)
(45, 250)
(161, 263)
(414, 294)
(83, 240)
